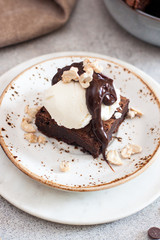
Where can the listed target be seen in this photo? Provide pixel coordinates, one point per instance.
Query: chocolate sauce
(101, 90)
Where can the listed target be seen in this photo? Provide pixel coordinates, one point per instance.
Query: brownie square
(83, 137)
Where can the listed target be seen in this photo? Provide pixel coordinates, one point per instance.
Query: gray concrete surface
(90, 29)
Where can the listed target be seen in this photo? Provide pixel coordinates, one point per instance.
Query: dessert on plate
(82, 108)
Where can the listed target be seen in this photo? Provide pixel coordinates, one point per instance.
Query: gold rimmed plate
(41, 162)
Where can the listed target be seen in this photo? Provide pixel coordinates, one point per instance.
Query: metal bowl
(140, 24)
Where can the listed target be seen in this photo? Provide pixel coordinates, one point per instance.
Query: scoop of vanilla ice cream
(66, 104)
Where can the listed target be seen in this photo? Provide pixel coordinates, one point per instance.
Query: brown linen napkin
(21, 20)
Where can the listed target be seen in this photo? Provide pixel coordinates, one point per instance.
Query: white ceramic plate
(70, 207)
(86, 173)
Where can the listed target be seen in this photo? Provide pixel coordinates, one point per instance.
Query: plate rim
(99, 186)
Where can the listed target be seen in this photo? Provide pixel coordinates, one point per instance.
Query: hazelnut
(130, 149)
(113, 157)
(70, 75)
(126, 152)
(86, 78)
(41, 139)
(27, 126)
(31, 111)
(30, 137)
(94, 65)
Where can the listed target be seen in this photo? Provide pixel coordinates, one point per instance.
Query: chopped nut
(113, 157)
(94, 65)
(136, 148)
(70, 75)
(130, 149)
(133, 113)
(30, 137)
(28, 119)
(27, 126)
(64, 166)
(126, 152)
(31, 111)
(86, 63)
(86, 78)
(41, 139)
(117, 115)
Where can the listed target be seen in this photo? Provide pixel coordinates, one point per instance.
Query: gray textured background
(90, 29)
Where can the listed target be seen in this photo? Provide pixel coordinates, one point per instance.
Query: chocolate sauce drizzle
(101, 90)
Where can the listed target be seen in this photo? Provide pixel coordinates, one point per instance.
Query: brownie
(83, 137)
